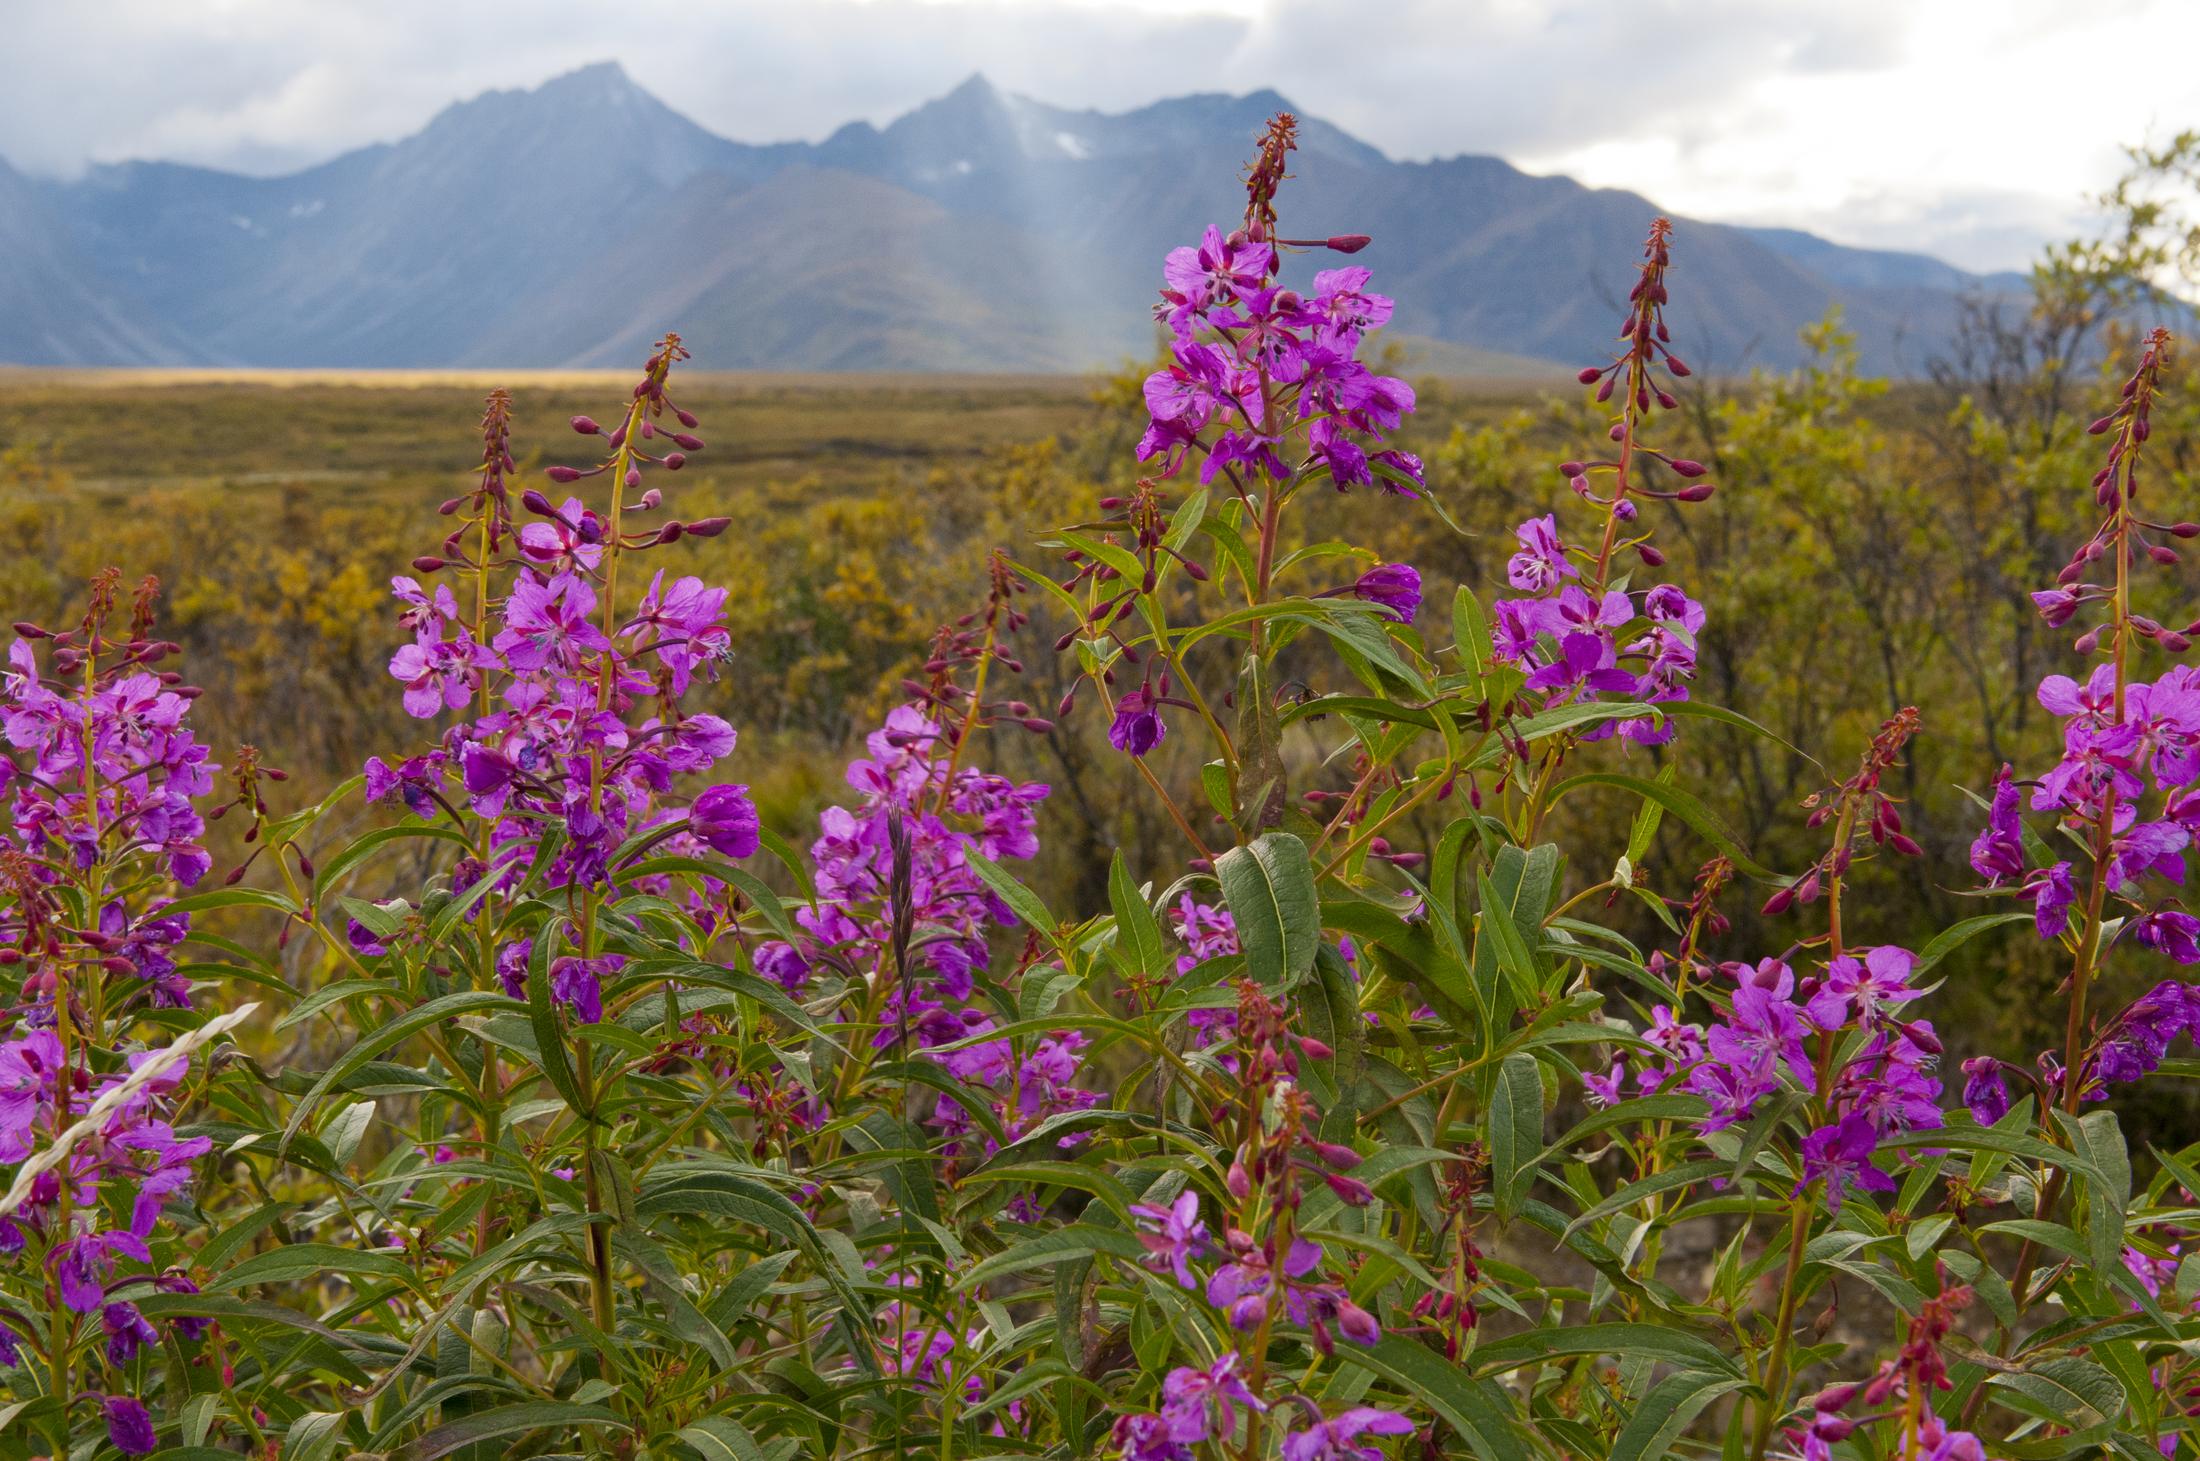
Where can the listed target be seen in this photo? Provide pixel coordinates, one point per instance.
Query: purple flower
(1177, 1236)
(1342, 308)
(1337, 1439)
(1395, 586)
(128, 1426)
(1147, 1438)
(1842, 1154)
(1985, 1090)
(1137, 727)
(1541, 562)
(578, 983)
(1857, 990)
(2056, 605)
(2145, 847)
(512, 966)
(2172, 931)
(2052, 895)
(548, 623)
(1214, 272)
(437, 674)
(574, 537)
(725, 820)
(1201, 1405)
(81, 1266)
(29, 1068)
(127, 1332)
(1998, 852)
(1605, 1090)
(1334, 450)
(1398, 472)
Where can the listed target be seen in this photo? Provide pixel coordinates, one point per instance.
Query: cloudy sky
(1970, 128)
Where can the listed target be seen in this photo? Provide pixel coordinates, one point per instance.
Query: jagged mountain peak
(513, 221)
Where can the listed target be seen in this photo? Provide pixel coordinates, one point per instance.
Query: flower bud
(1688, 468)
(686, 442)
(427, 564)
(586, 426)
(1336, 1154)
(671, 531)
(1348, 243)
(633, 477)
(536, 503)
(1695, 492)
(1356, 1324)
(1675, 364)
(674, 461)
(1352, 1190)
(708, 527)
(562, 474)
(1239, 1183)
(687, 418)
(1588, 375)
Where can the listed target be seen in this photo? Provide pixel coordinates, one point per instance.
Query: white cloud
(1967, 129)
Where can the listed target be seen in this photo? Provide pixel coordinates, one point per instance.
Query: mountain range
(571, 224)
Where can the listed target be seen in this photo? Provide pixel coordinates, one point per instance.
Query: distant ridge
(566, 225)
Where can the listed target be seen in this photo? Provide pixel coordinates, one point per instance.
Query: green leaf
(1269, 885)
(381, 1038)
(1021, 900)
(349, 857)
(1712, 827)
(1958, 934)
(510, 1420)
(1478, 1410)
(2068, 1391)
(721, 1438)
(1632, 1341)
(1666, 1411)
(1516, 1130)
(1079, 1240)
(2108, 1196)
(297, 1261)
(1137, 932)
(1508, 944)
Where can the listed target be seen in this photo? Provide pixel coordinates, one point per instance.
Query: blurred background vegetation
(1870, 546)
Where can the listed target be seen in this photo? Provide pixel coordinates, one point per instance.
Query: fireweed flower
(1338, 1438)
(1395, 587)
(1173, 1235)
(1202, 1405)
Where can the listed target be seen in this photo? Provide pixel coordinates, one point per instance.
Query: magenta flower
(128, 1426)
(1985, 1090)
(548, 623)
(1201, 1405)
(578, 983)
(572, 538)
(1394, 586)
(1337, 1438)
(1212, 273)
(1333, 449)
(1173, 1236)
(1138, 726)
(1998, 852)
(1842, 1155)
(1541, 562)
(725, 820)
